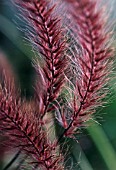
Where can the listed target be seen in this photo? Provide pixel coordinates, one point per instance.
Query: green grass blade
(103, 145)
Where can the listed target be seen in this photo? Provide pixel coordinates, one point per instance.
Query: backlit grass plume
(72, 71)
(95, 62)
(48, 38)
(18, 121)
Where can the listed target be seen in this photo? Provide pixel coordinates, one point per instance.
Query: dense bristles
(47, 36)
(72, 74)
(25, 132)
(94, 61)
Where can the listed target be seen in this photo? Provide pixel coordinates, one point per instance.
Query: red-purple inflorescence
(95, 62)
(72, 73)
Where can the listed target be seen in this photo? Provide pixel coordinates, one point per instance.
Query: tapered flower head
(88, 86)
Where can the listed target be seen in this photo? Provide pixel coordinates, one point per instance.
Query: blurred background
(96, 146)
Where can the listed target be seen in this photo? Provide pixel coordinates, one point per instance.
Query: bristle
(85, 42)
(25, 132)
(94, 61)
(48, 37)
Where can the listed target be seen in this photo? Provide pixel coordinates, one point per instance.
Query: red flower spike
(18, 121)
(95, 61)
(83, 80)
(48, 38)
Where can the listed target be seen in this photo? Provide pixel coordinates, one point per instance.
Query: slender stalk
(12, 160)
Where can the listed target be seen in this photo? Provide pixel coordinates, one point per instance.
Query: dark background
(97, 148)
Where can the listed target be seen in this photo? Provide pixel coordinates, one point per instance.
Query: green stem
(103, 145)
